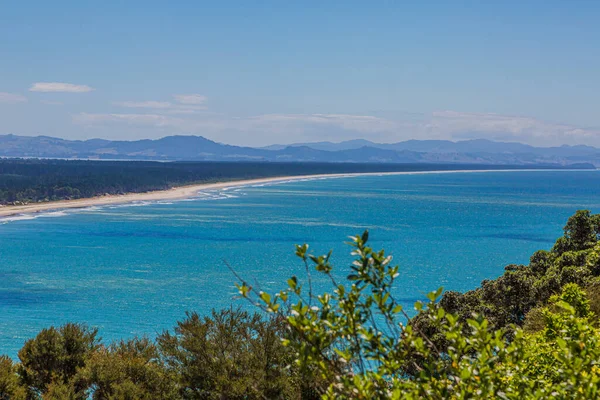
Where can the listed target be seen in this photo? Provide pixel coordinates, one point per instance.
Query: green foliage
(229, 355)
(10, 387)
(129, 370)
(559, 362)
(352, 337)
(592, 290)
(232, 355)
(581, 231)
(54, 356)
(460, 346)
(524, 290)
(576, 298)
(61, 391)
(564, 354)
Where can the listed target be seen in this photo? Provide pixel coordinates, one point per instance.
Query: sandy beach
(179, 192)
(182, 192)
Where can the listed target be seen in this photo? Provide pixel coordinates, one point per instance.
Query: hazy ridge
(198, 148)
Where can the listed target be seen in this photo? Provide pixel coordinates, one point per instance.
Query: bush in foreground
(356, 339)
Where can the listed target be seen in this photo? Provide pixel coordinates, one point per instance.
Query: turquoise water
(134, 270)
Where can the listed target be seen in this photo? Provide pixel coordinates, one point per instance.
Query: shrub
(233, 355)
(55, 356)
(356, 339)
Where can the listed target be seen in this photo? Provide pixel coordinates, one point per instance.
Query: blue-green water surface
(136, 269)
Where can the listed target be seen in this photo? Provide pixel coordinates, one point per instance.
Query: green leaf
(441, 313)
(292, 282)
(365, 236)
(243, 289)
(265, 297)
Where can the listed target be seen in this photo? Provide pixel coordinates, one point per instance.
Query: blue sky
(263, 72)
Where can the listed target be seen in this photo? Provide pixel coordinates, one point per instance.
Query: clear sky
(263, 72)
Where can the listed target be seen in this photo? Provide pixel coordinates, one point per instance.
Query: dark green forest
(34, 180)
(532, 333)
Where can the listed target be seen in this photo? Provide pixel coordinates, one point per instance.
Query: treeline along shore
(26, 181)
(532, 333)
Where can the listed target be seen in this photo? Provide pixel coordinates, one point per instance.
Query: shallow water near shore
(136, 270)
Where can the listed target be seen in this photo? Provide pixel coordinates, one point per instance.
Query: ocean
(136, 269)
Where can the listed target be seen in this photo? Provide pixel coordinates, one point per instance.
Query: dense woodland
(531, 333)
(33, 180)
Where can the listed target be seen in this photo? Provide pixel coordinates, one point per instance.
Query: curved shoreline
(183, 192)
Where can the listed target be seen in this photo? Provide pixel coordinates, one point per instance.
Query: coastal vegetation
(24, 181)
(531, 333)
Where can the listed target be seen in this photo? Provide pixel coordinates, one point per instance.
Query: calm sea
(136, 269)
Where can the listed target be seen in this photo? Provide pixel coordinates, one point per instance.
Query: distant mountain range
(198, 148)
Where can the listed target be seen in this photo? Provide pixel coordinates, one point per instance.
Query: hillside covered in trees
(33, 180)
(531, 333)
